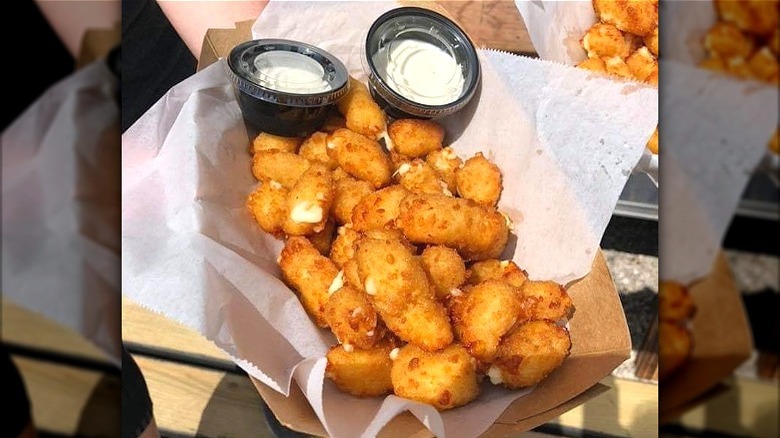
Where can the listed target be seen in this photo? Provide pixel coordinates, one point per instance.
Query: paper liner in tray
(191, 252)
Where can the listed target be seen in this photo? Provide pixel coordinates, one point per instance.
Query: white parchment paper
(565, 139)
(556, 28)
(60, 207)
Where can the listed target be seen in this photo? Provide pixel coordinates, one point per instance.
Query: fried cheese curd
(529, 353)
(639, 17)
(445, 379)
(675, 344)
(392, 242)
(548, 300)
(674, 302)
(606, 40)
(362, 373)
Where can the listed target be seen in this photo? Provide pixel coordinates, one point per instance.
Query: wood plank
(23, 327)
(71, 401)
(496, 24)
(207, 403)
(142, 326)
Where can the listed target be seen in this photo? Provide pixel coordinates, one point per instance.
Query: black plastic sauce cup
(281, 103)
(428, 27)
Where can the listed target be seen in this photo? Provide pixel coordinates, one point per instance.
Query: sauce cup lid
(425, 28)
(287, 72)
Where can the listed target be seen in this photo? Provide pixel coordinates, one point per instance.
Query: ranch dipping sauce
(290, 72)
(420, 71)
(419, 64)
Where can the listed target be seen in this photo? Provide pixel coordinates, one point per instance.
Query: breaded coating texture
(639, 17)
(548, 300)
(415, 137)
(530, 353)
(362, 114)
(420, 177)
(606, 40)
(445, 379)
(446, 163)
(445, 269)
(352, 318)
(343, 247)
(475, 231)
(360, 157)
(674, 302)
(651, 41)
(322, 240)
(641, 63)
(481, 315)
(269, 142)
(315, 149)
(763, 65)
(399, 289)
(379, 209)
(268, 205)
(480, 181)
(617, 66)
(492, 269)
(593, 64)
(675, 344)
(310, 273)
(282, 167)
(757, 17)
(726, 40)
(652, 143)
(309, 201)
(349, 193)
(362, 373)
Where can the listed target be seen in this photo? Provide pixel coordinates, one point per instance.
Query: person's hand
(192, 19)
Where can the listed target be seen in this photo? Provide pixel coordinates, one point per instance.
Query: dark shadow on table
(102, 414)
(236, 410)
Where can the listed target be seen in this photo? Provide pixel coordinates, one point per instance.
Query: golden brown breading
(726, 41)
(479, 180)
(351, 316)
(774, 142)
(343, 247)
(269, 142)
(282, 167)
(618, 67)
(268, 205)
(315, 149)
(652, 144)
(548, 300)
(310, 273)
(529, 353)
(605, 41)
(418, 176)
(763, 65)
(641, 63)
(349, 192)
(322, 240)
(492, 269)
(674, 302)
(639, 17)
(675, 344)
(446, 163)
(475, 231)
(362, 114)
(379, 209)
(399, 289)
(482, 314)
(738, 67)
(445, 379)
(352, 275)
(651, 41)
(774, 42)
(309, 201)
(758, 17)
(362, 373)
(445, 269)
(415, 137)
(360, 157)
(593, 64)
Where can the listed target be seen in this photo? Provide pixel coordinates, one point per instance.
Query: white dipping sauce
(420, 71)
(290, 72)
